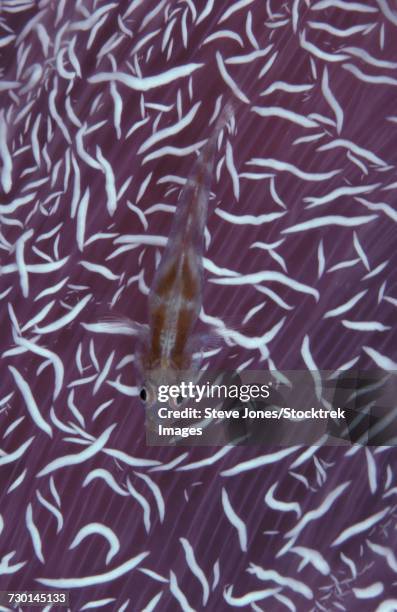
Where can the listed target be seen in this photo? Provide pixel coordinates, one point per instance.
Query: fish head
(154, 393)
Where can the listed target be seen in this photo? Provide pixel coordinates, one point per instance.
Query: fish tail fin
(224, 119)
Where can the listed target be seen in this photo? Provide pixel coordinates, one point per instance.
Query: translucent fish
(174, 302)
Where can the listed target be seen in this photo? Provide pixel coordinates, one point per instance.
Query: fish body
(175, 297)
(176, 293)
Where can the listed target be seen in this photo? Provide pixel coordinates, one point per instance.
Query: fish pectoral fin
(118, 325)
(200, 343)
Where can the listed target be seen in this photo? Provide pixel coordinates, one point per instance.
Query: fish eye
(143, 394)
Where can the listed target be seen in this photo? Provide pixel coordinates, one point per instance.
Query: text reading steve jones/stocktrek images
(179, 394)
